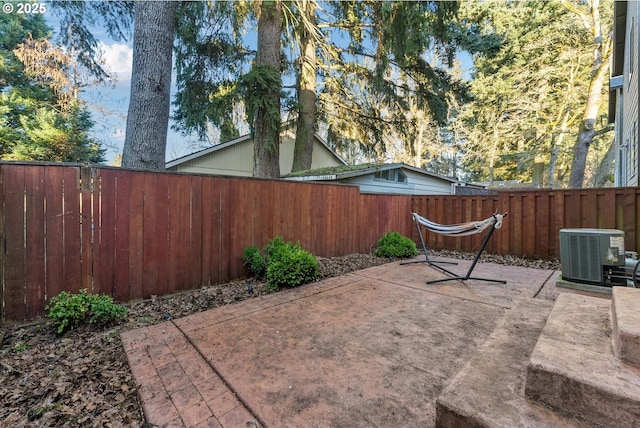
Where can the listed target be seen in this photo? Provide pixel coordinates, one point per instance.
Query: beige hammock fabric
(460, 229)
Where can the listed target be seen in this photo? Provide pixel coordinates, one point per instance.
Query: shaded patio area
(374, 347)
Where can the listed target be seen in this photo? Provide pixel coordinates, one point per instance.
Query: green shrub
(394, 245)
(256, 261)
(68, 310)
(285, 264)
(277, 249)
(104, 311)
(292, 268)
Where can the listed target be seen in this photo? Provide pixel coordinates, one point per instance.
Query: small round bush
(276, 249)
(68, 310)
(292, 268)
(395, 246)
(285, 263)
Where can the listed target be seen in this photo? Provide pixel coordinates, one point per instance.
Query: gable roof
(349, 171)
(230, 143)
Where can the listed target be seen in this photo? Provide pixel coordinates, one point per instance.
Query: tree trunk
(587, 127)
(266, 154)
(303, 151)
(145, 142)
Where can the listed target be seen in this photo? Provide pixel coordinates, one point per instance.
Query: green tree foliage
(41, 116)
(356, 62)
(384, 85)
(528, 98)
(210, 59)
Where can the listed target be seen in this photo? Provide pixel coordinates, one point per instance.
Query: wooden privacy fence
(133, 234)
(534, 220)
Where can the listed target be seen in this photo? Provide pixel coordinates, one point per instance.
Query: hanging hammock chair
(461, 229)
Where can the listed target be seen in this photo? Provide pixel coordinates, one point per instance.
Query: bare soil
(82, 378)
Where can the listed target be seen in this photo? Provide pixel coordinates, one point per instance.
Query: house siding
(237, 159)
(417, 184)
(629, 168)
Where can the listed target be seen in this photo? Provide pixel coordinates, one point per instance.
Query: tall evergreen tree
(42, 117)
(307, 35)
(263, 85)
(148, 117)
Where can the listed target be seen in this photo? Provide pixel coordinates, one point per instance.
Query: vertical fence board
(195, 232)
(136, 235)
(122, 245)
(184, 253)
(86, 227)
(606, 204)
(240, 221)
(104, 232)
(573, 215)
(224, 229)
(155, 235)
(54, 231)
(304, 211)
(542, 225)
(175, 239)
(588, 209)
(72, 218)
(529, 221)
(207, 236)
(34, 241)
(14, 253)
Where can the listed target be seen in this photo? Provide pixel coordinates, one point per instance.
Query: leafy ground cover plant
(68, 310)
(394, 245)
(285, 264)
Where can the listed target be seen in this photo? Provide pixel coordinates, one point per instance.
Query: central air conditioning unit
(593, 256)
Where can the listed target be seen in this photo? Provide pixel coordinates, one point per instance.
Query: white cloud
(118, 134)
(118, 58)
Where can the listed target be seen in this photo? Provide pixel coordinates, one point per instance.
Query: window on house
(391, 175)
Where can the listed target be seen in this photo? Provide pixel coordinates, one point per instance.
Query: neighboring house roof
(386, 178)
(227, 144)
(348, 171)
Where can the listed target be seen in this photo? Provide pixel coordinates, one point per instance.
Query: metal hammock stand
(463, 229)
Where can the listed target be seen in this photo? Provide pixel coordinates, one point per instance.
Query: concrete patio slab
(371, 348)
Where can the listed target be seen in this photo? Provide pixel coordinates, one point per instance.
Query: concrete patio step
(489, 390)
(573, 368)
(625, 322)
